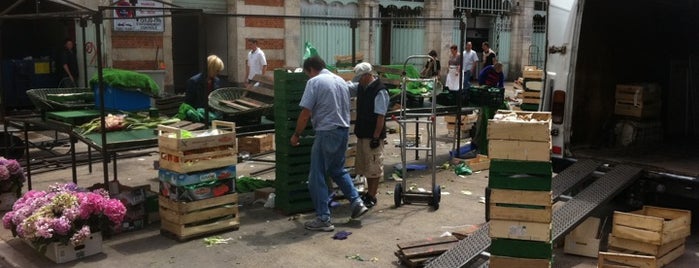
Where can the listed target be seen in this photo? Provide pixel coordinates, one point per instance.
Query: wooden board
(519, 150)
(510, 262)
(428, 241)
(659, 261)
(618, 260)
(654, 225)
(534, 231)
(191, 162)
(428, 250)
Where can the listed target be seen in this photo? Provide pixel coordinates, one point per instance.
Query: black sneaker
(369, 201)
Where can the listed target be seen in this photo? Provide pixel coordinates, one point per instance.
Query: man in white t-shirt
(469, 64)
(257, 63)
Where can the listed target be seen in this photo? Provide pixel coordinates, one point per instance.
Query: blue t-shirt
(327, 97)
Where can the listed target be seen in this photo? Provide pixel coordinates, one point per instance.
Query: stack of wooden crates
(533, 84)
(651, 237)
(467, 122)
(519, 184)
(197, 180)
(637, 107)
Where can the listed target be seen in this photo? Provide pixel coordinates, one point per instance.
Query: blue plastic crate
(121, 99)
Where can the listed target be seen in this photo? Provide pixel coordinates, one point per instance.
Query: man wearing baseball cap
(370, 128)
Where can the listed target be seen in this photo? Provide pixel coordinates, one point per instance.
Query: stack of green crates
(519, 184)
(293, 162)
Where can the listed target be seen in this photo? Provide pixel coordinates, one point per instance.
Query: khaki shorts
(369, 162)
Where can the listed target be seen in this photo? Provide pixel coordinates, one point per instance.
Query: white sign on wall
(132, 20)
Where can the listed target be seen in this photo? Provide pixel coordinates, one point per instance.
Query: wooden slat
(627, 259)
(428, 241)
(509, 262)
(535, 198)
(639, 221)
(521, 214)
(251, 102)
(533, 231)
(234, 105)
(184, 207)
(640, 247)
(430, 250)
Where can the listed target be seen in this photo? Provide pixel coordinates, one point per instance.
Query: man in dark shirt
(489, 56)
(69, 65)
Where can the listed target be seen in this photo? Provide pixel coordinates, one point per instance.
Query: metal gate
(500, 40)
(537, 48)
(329, 37)
(406, 37)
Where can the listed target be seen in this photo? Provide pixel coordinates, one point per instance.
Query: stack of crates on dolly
(519, 198)
(197, 180)
(293, 162)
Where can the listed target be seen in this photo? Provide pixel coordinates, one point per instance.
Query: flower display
(11, 176)
(64, 213)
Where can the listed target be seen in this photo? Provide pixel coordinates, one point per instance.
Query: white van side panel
(563, 28)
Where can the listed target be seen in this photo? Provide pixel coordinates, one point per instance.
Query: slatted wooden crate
(640, 101)
(171, 138)
(519, 150)
(624, 260)
(256, 144)
(522, 230)
(197, 160)
(533, 72)
(516, 205)
(536, 128)
(652, 225)
(186, 220)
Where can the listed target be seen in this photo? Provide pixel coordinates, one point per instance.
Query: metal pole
(97, 19)
(353, 26)
(459, 98)
(83, 24)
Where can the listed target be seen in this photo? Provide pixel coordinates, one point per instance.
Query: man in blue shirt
(492, 76)
(326, 102)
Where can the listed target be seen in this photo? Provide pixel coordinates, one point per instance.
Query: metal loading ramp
(564, 219)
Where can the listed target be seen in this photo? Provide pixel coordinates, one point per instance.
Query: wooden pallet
(185, 220)
(417, 253)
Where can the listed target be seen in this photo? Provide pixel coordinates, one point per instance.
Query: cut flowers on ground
(64, 214)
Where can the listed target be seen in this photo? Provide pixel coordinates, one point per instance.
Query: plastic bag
(463, 169)
(309, 50)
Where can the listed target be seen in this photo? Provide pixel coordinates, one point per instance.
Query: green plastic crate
(521, 248)
(520, 175)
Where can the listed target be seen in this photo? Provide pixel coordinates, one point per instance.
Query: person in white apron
(453, 74)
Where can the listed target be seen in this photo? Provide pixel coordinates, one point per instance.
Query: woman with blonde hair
(200, 85)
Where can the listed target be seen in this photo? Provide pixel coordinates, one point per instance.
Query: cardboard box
(584, 240)
(256, 144)
(197, 191)
(182, 179)
(653, 225)
(222, 133)
(60, 253)
(539, 130)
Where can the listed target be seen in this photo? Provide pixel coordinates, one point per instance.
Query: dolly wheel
(436, 196)
(398, 195)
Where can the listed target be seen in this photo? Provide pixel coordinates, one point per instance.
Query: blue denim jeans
(328, 158)
(467, 80)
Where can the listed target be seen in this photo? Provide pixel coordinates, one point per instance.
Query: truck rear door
(563, 28)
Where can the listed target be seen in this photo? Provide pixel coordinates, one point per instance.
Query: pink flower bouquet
(11, 176)
(63, 214)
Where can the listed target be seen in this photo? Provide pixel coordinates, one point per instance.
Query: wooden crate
(193, 219)
(539, 130)
(256, 144)
(640, 101)
(616, 244)
(466, 118)
(515, 205)
(617, 260)
(584, 239)
(197, 160)
(520, 175)
(510, 262)
(170, 138)
(532, 72)
(531, 97)
(519, 150)
(653, 225)
(480, 162)
(522, 230)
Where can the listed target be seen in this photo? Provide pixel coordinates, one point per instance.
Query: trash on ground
(481, 199)
(445, 234)
(341, 235)
(215, 240)
(355, 257)
(467, 192)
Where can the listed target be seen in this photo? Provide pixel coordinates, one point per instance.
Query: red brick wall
(264, 22)
(274, 64)
(269, 43)
(135, 65)
(137, 41)
(271, 3)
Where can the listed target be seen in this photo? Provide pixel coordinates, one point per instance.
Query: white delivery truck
(596, 47)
